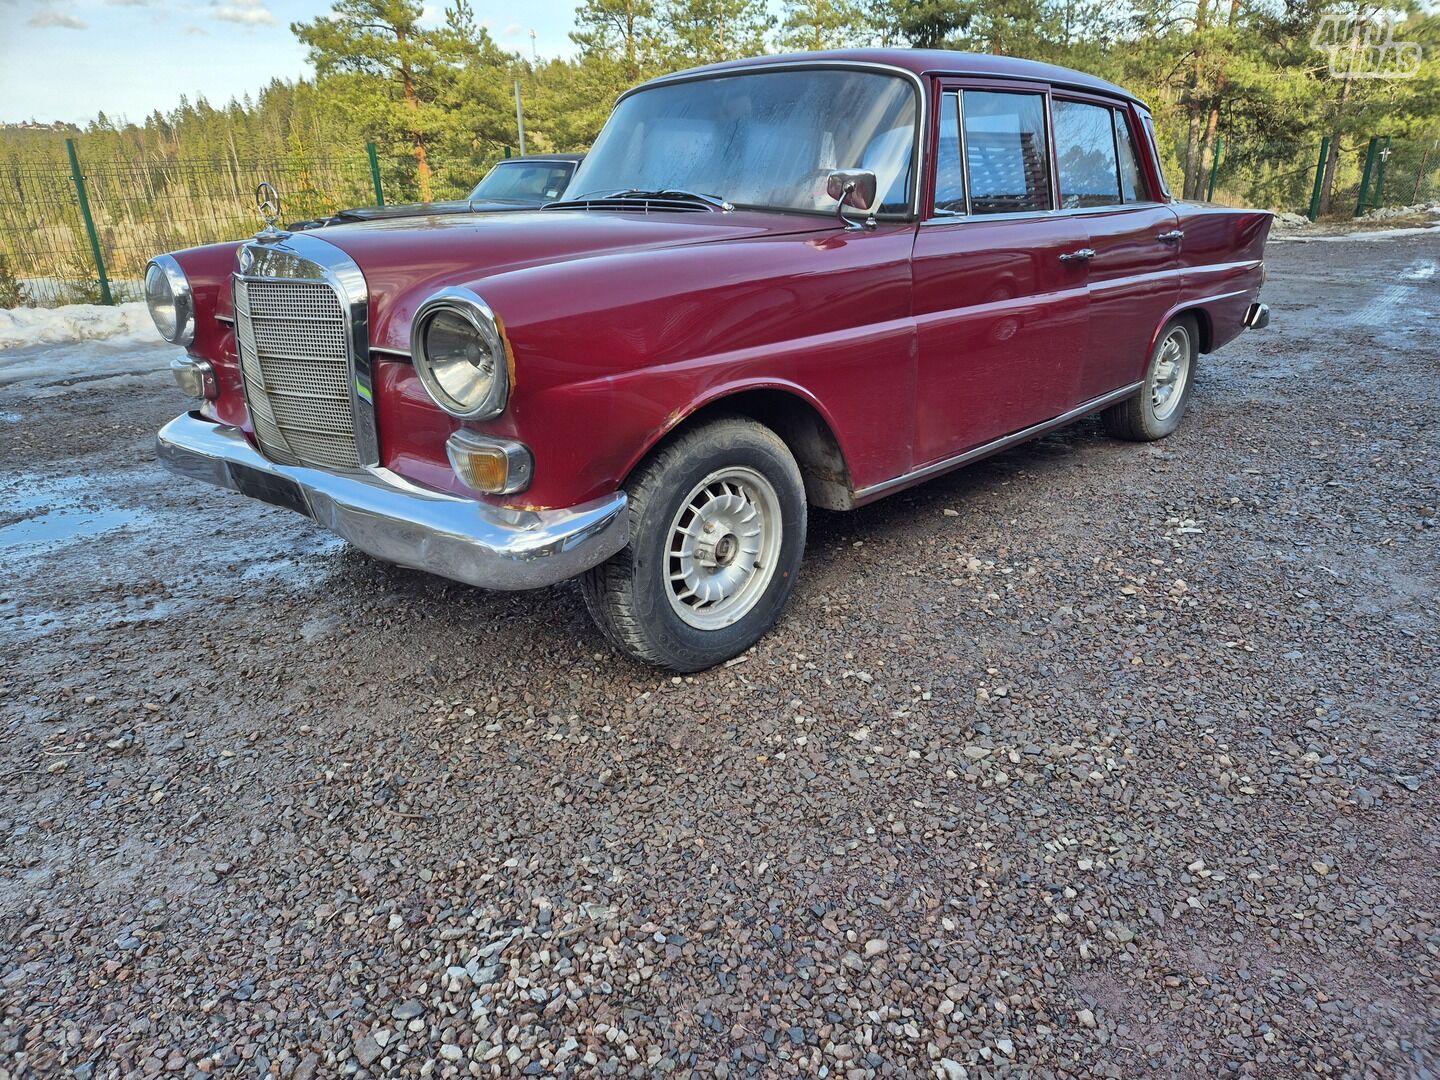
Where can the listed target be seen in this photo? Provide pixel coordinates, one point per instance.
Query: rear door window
(1085, 155)
(1006, 158)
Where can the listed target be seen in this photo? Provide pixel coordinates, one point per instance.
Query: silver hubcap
(1171, 373)
(722, 548)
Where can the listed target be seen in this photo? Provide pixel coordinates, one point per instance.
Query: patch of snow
(48, 370)
(1420, 271)
(20, 327)
(1338, 238)
(1383, 212)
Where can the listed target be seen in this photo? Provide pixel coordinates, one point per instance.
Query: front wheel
(717, 532)
(1157, 409)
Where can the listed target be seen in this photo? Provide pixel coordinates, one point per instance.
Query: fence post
(1215, 166)
(1365, 177)
(1384, 156)
(1319, 178)
(105, 297)
(375, 174)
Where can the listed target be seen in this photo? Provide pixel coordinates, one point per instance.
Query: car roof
(930, 62)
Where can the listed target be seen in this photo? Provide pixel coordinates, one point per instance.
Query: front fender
(614, 352)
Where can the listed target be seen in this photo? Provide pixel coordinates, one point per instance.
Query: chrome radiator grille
(296, 367)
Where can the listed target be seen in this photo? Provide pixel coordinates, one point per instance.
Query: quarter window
(1005, 152)
(1132, 180)
(949, 177)
(1085, 153)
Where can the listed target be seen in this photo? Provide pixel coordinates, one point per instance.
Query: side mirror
(854, 188)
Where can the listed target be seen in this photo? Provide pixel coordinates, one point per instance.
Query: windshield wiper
(590, 198)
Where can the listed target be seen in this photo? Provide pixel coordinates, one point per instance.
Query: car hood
(401, 210)
(405, 260)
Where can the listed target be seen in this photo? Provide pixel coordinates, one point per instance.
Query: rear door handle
(1083, 255)
(1174, 236)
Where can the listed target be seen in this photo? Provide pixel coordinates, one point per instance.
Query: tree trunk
(1212, 120)
(1195, 107)
(632, 69)
(1327, 188)
(417, 138)
(1207, 147)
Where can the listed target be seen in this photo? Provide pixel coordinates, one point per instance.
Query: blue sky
(68, 59)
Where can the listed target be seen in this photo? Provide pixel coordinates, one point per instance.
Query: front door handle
(1174, 236)
(1083, 255)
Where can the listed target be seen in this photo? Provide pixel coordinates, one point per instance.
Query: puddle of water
(66, 526)
(107, 520)
(67, 515)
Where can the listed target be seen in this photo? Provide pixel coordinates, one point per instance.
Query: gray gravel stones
(999, 798)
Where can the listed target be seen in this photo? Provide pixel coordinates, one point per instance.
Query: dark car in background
(520, 183)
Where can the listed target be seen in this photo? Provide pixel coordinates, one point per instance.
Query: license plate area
(268, 487)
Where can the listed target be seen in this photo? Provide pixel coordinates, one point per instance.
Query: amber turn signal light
(489, 465)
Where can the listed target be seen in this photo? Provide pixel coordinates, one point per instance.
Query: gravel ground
(1093, 760)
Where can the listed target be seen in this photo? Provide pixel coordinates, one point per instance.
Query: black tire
(630, 595)
(1136, 418)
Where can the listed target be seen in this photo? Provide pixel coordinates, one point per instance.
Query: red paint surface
(913, 341)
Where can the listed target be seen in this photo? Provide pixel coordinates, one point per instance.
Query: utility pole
(519, 118)
(534, 49)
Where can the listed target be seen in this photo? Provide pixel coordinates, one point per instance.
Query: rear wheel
(717, 532)
(1157, 409)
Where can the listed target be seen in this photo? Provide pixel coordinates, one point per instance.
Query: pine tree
(391, 72)
(809, 25)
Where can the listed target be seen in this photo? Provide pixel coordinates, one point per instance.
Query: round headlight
(460, 356)
(167, 294)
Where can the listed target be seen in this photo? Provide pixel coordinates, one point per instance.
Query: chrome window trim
(1119, 94)
(184, 298)
(470, 306)
(1040, 215)
(337, 270)
(922, 128)
(1039, 90)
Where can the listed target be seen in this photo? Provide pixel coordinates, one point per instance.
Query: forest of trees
(438, 100)
(1244, 69)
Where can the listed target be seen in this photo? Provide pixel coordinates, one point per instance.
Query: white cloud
(60, 19)
(244, 12)
(129, 3)
(514, 30)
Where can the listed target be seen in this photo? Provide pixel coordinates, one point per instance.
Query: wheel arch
(792, 414)
(1203, 325)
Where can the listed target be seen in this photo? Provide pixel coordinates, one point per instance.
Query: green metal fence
(82, 231)
(1368, 174)
(78, 231)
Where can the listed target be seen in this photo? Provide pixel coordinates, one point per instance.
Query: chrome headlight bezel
(182, 299)
(473, 310)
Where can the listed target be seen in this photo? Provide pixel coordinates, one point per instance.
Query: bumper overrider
(400, 522)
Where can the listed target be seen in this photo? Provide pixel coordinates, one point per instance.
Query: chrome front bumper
(400, 522)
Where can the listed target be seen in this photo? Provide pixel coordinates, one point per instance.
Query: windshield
(524, 181)
(766, 139)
